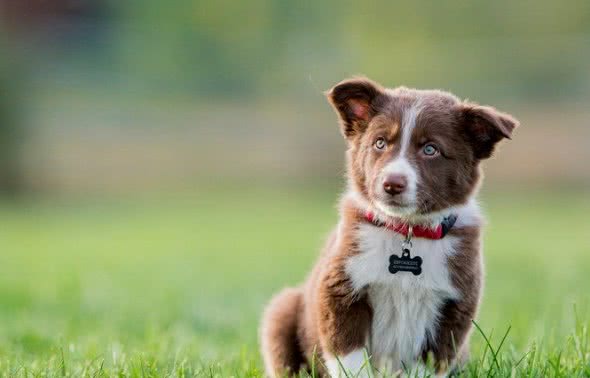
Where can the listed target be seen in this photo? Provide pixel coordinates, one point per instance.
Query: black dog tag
(405, 263)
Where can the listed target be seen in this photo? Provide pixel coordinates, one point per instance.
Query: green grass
(174, 286)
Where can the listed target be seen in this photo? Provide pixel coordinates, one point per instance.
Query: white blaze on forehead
(408, 125)
(401, 165)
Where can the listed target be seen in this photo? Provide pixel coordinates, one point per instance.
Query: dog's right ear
(355, 101)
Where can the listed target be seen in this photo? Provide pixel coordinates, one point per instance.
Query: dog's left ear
(485, 127)
(356, 101)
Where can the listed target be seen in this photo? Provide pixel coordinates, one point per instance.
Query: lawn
(173, 286)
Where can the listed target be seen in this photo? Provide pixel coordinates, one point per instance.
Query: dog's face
(414, 152)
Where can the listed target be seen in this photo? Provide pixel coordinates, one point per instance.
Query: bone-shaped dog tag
(405, 263)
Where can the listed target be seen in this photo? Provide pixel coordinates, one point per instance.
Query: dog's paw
(354, 364)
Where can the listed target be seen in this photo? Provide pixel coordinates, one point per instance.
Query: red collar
(418, 231)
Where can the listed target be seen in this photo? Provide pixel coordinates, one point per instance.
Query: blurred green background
(166, 166)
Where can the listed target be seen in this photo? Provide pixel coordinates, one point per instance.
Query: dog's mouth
(395, 207)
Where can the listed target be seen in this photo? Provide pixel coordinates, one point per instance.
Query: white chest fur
(405, 307)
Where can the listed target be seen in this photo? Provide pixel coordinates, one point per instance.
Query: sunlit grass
(174, 286)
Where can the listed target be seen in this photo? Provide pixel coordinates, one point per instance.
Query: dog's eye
(380, 143)
(430, 149)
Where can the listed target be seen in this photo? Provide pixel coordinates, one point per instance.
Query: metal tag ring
(410, 234)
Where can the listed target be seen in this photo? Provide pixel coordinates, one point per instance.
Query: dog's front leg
(449, 351)
(344, 317)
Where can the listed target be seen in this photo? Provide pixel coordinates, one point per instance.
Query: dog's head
(415, 152)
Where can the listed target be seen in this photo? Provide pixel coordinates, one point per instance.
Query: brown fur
(456, 316)
(326, 316)
(279, 338)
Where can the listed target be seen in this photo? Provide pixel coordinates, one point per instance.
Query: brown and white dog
(413, 165)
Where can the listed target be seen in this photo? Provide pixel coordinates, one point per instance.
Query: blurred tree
(29, 32)
(236, 49)
(11, 126)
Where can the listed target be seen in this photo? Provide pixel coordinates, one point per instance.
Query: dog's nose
(395, 184)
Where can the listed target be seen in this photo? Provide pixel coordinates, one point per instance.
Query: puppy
(400, 278)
